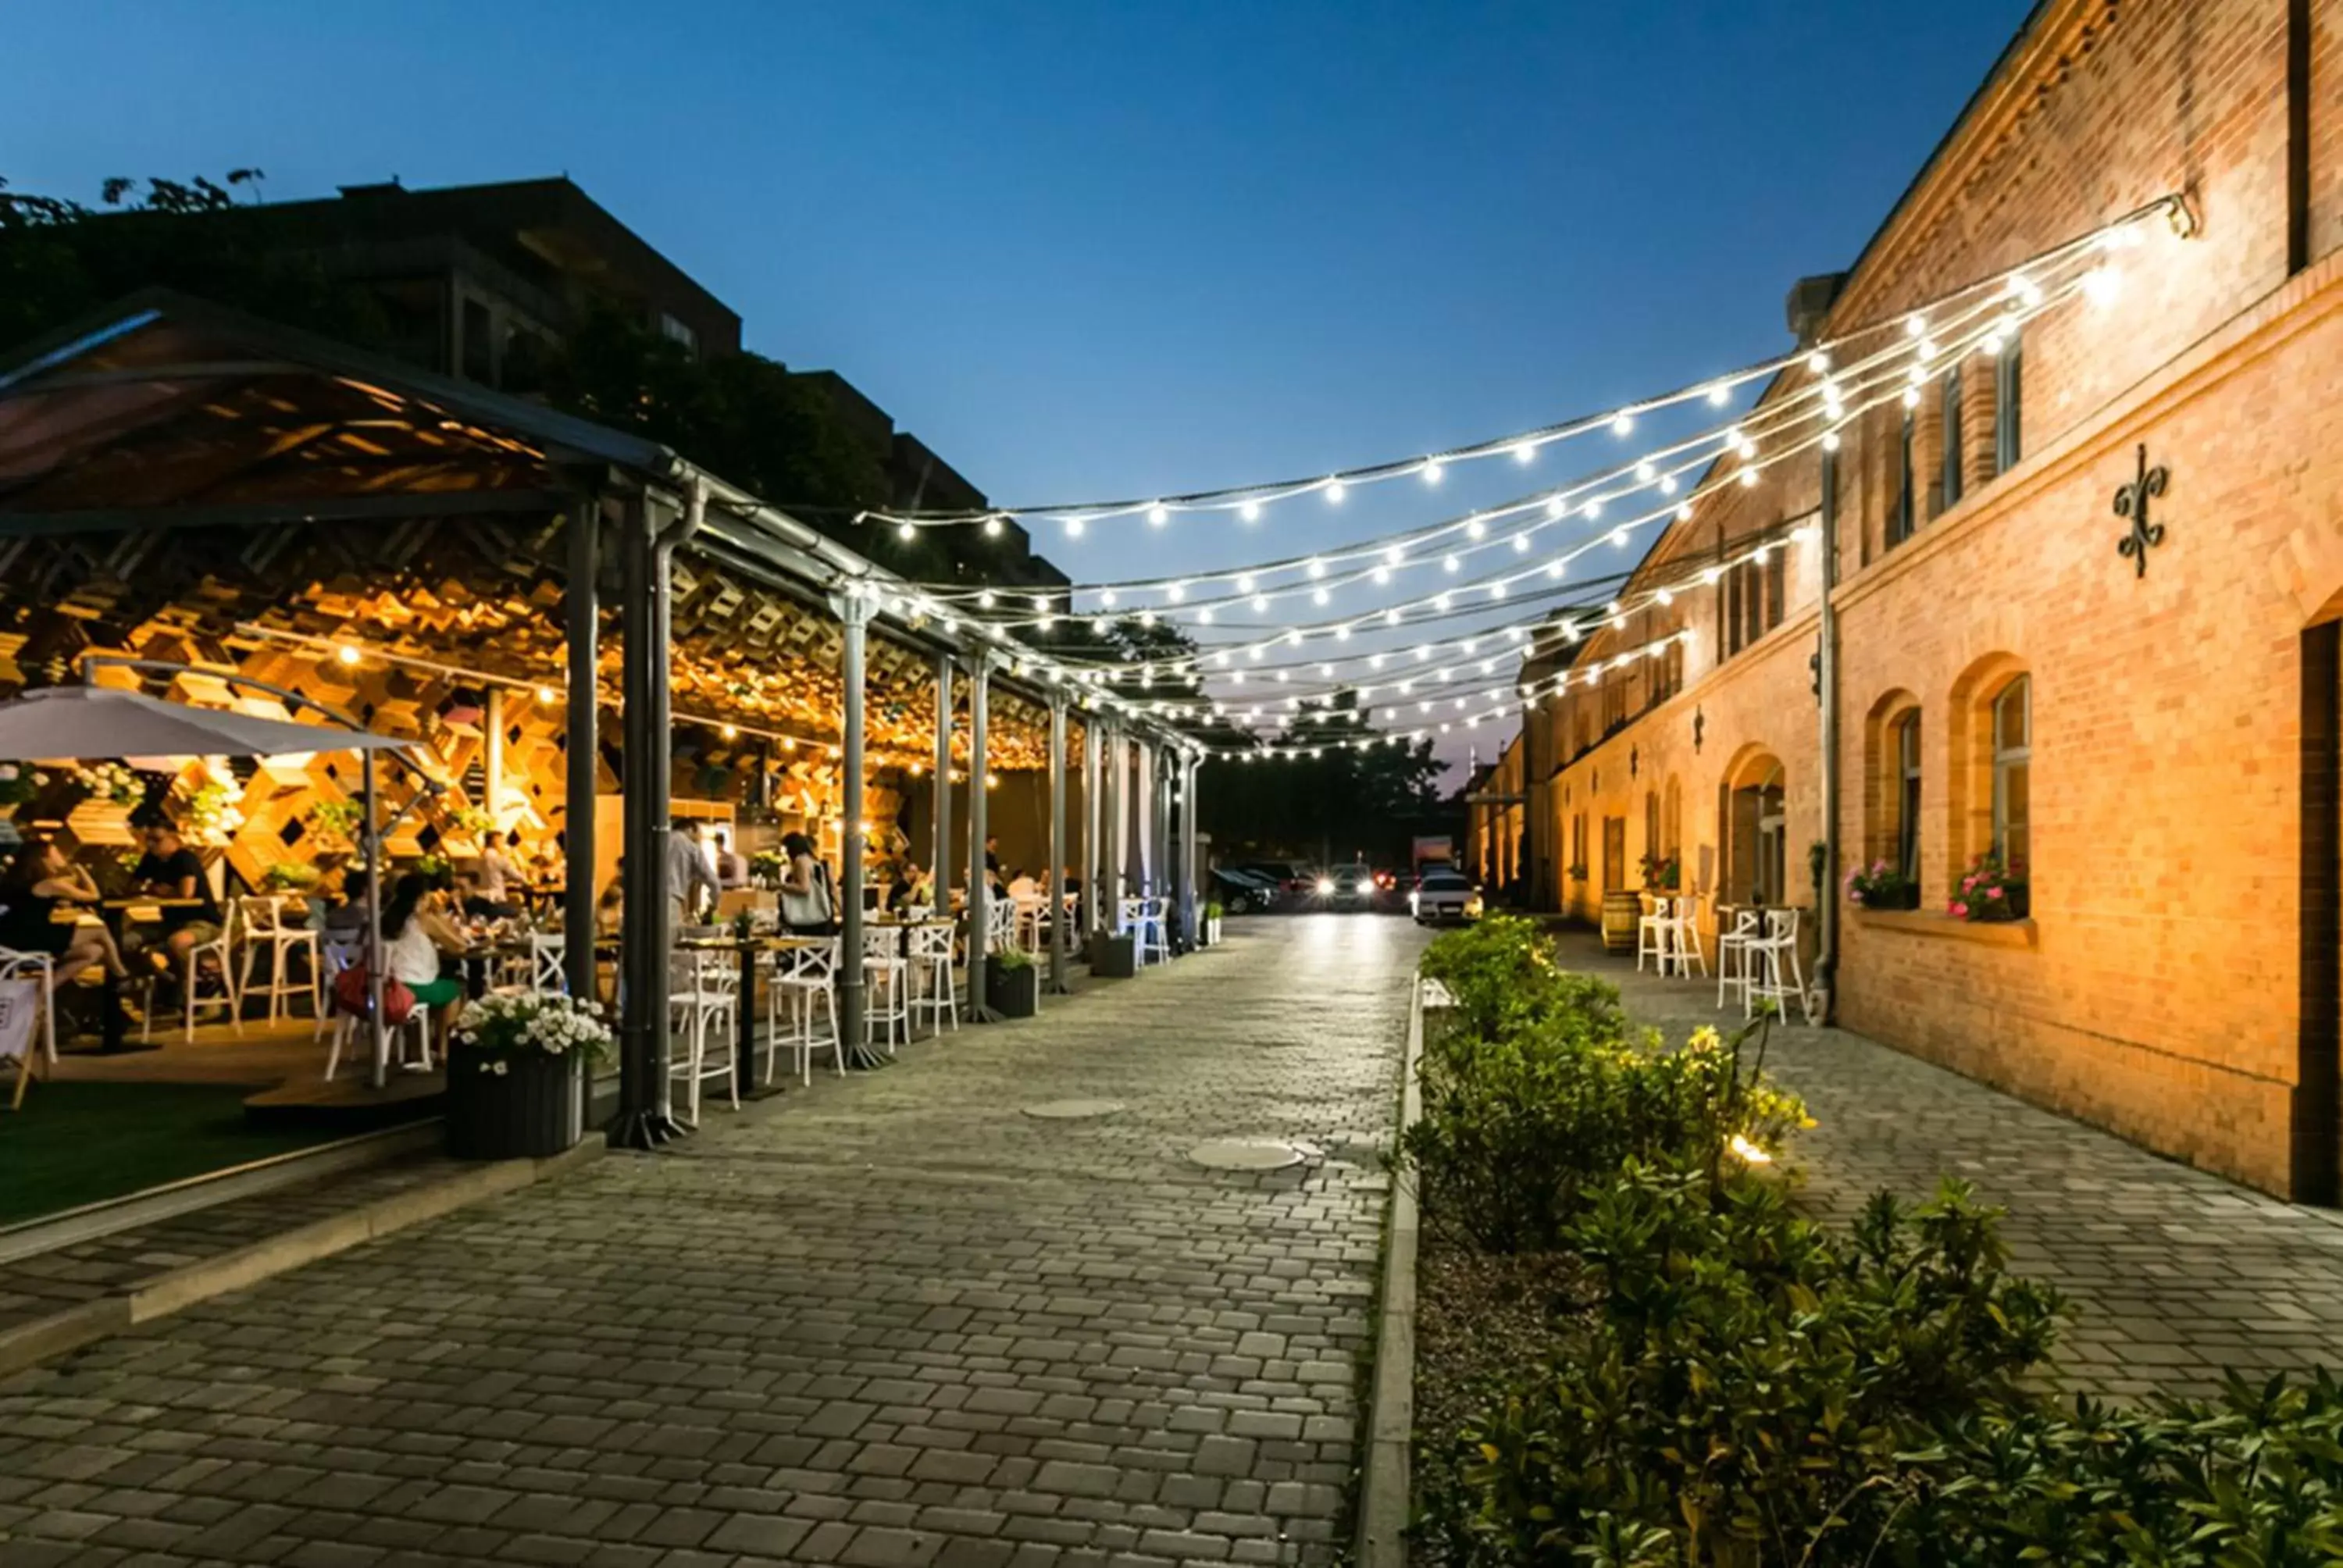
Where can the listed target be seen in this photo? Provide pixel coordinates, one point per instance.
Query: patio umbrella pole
(979, 876)
(1055, 881)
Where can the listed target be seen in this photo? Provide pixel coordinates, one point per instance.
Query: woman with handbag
(806, 907)
(414, 936)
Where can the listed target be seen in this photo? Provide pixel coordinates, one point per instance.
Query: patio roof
(166, 413)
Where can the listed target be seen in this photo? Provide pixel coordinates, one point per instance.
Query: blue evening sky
(1106, 248)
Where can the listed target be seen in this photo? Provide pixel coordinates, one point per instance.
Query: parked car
(1350, 887)
(1240, 893)
(1296, 883)
(1443, 895)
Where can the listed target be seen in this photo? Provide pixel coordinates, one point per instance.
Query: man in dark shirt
(170, 870)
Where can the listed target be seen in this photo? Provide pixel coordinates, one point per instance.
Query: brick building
(2152, 735)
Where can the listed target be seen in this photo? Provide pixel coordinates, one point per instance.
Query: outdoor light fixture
(545, 694)
(347, 654)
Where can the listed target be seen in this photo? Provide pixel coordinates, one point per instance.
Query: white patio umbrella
(78, 721)
(74, 721)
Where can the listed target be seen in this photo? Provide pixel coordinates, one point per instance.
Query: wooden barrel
(1622, 909)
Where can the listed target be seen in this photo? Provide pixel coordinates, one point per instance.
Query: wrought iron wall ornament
(1633, 762)
(1699, 723)
(2132, 502)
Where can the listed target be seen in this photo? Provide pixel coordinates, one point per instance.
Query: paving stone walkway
(896, 1323)
(2174, 1274)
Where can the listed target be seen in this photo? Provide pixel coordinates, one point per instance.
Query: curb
(58, 1333)
(1384, 1498)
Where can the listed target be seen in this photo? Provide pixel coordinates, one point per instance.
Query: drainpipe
(1826, 895)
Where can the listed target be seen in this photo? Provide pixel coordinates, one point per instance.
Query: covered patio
(555, 614)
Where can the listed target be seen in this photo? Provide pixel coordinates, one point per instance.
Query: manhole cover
(1245, 1155)
(1074, 1109)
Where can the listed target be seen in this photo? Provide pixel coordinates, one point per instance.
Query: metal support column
(1055, 881)
(370, 856)
(1826, 694)
(1190, 912)
(1116, 816)
(941, 870)
(582, 605)
(853, 611)
(644, 1119)
(980, 884)
(1093, 925)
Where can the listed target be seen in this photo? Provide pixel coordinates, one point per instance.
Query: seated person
(170, 870)
(609, 910)
(472, 900)
(37, 883)
(415, 936)
(1023, 889)
(344, 923)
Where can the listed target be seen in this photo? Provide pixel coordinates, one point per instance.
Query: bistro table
(117, 913)
(744, 1053)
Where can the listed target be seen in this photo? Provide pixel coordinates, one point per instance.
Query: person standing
(807, 906)
(732, 866)
(498, 871)
(689, 874)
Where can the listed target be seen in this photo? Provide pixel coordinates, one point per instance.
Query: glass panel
(2016, 842)
(2010, 725)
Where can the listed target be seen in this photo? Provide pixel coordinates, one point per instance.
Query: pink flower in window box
(1960, 910)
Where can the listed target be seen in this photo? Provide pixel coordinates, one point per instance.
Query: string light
(1523, 447)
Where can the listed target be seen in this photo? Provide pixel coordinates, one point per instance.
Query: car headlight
(1326, 886)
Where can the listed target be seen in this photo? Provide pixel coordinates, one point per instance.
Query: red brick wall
(2155, 990)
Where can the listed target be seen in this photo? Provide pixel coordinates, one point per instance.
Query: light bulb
(1159, 514)
(1319, 596)
(1449, 564)
(1342, 634)
(1260, 602)
(1334, 491)
(1718, 393)
(992, 527)
(1250, 511)
(1645, 471)
(1176, 592)
(545, 694)
(1911, 398)
(347, 654)
(1665, 596)
(1619, 537)
(1521, 544)
(1496, 590)
(1668, 484)
(1040, 601)
(1555, 569)
(1317, 569)
(1819, 362)
(1382, 574)
(985, 599)
(1684, 513)
(1431, 470)
(1622, 422)
(1106, 597)
(1830, 440)
(1748, 478)
(1476, 529)
(1526, 451)
(1073, 528)
(1593, 508)
(1557, 508)
(1394, 555)
(1915, 326)
(905, 531)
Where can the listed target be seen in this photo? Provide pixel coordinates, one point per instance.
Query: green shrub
(1534, 1093)
(1751, 1385)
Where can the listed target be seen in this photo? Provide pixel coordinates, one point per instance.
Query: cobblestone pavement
(2174, 1274)
(893, 1322)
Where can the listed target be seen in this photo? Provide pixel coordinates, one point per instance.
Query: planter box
(1116, 958)
(1906, 898)
(1012, 993)
(534, 1109)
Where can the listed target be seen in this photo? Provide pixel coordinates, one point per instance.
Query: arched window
(2013, 754)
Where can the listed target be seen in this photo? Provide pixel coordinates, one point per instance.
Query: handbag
(808, 910)
(350, 987)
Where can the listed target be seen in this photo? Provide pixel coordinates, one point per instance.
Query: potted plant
(1577, 873)
(290, 876)
(516, 1075)
(1662, 873)
(1212, 913)
(1011, 983)
(1881, 886)
(1990, 890)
